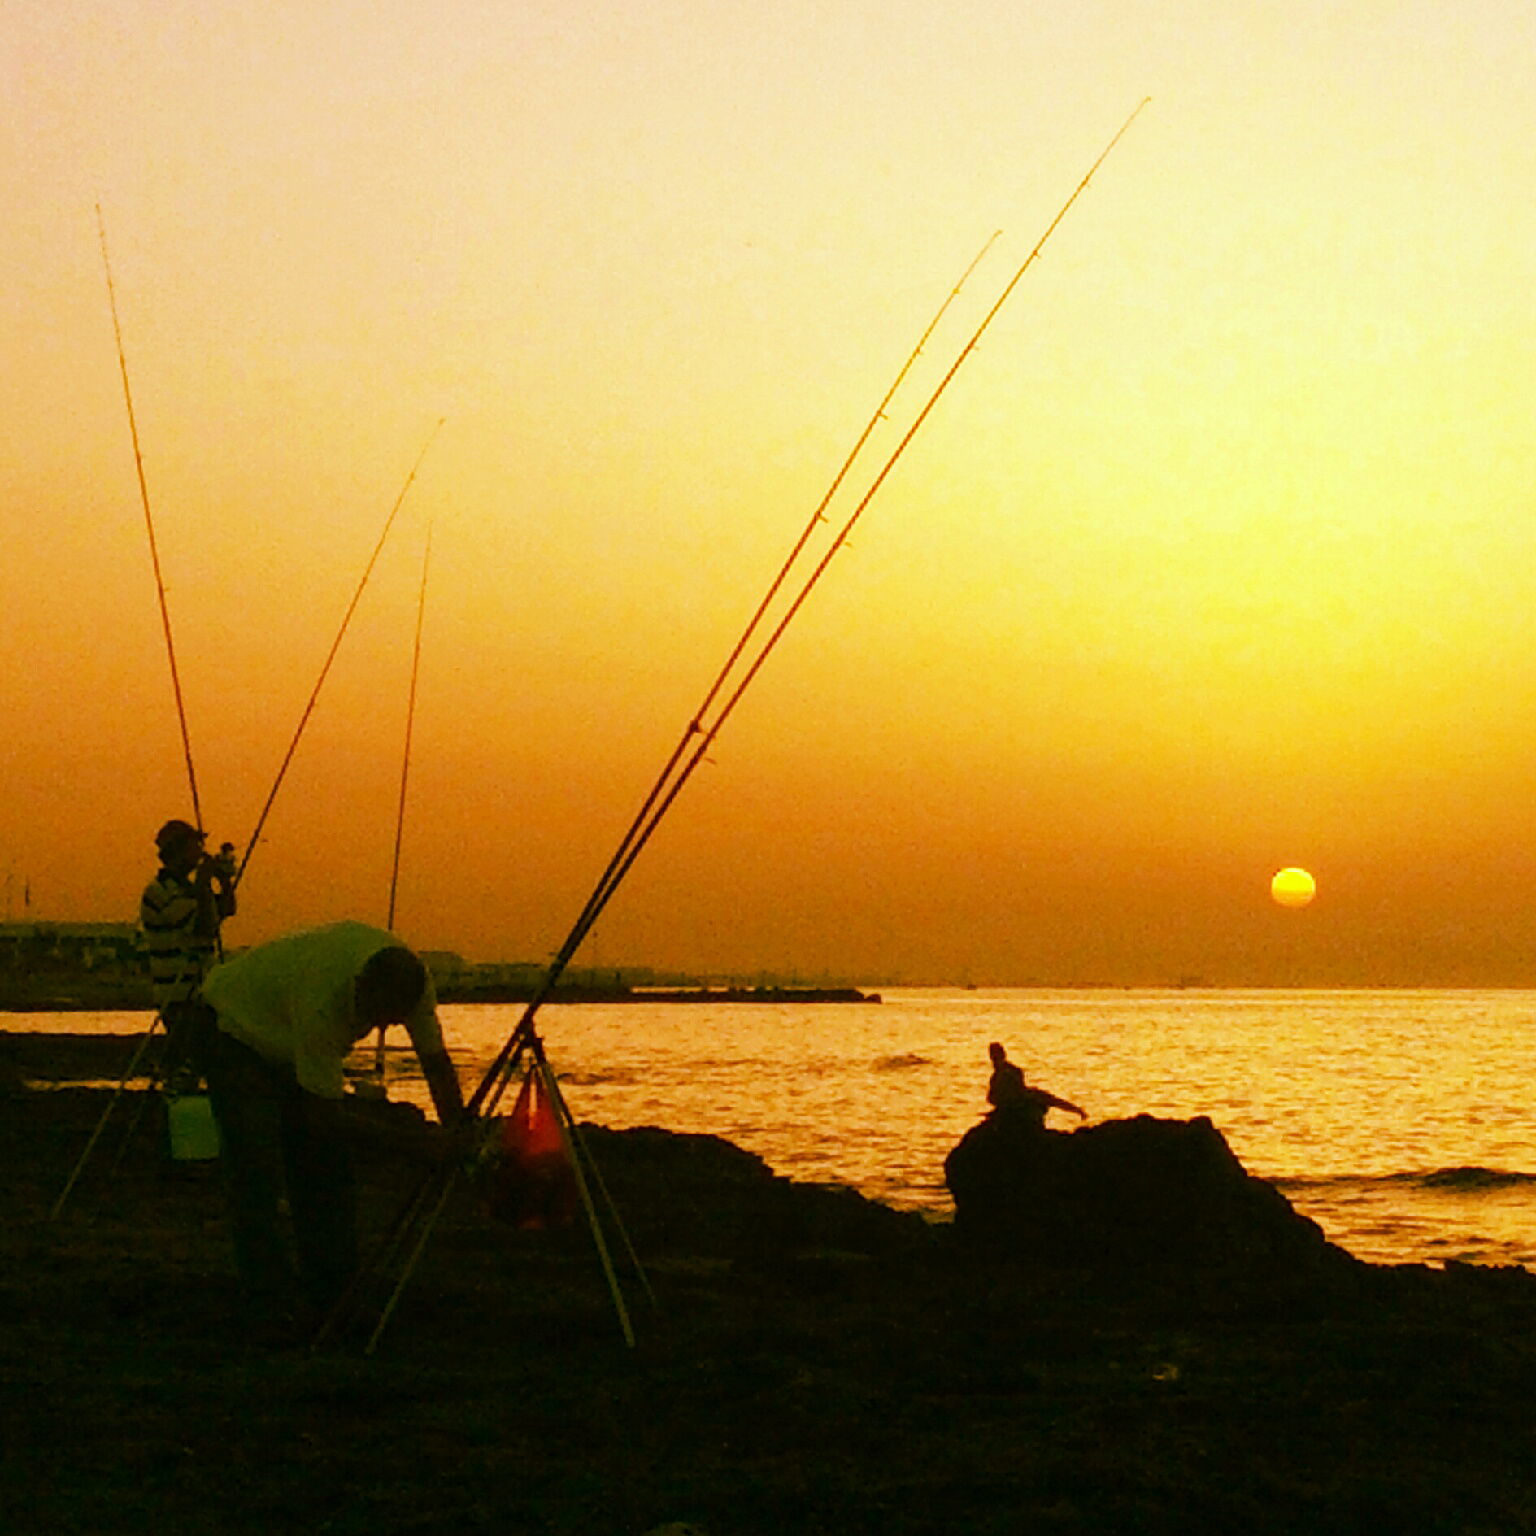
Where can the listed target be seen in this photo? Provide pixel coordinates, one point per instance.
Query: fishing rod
(665, 794)
(420, 1213)
(282, 771)
(422, 1210)
(410, 721)
(149, 524)
(638, 832)
(598, 899)
(405, 769)
(133, 1066)
(181, 715)
(708, 736)
(293, 745)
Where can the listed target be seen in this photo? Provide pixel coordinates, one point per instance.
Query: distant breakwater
(589, 994)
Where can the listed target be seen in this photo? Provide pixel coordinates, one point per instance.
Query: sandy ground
(812, 1364)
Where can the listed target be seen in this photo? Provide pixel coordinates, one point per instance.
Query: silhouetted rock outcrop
(812, 1363)
(1140, 1191)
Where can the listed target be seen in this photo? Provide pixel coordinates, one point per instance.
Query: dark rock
(703, 1195)
(1126, 1192)
(11, 1083)
(877, 1383)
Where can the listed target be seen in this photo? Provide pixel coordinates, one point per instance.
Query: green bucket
(194, 1131)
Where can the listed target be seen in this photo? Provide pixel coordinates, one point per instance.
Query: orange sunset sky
(1216, 557)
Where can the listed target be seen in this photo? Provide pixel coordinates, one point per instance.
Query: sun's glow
(1293, 887)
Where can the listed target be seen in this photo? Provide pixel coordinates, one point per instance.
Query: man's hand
(214, 882)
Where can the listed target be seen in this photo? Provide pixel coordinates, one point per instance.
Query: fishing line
(149, 524)
(293, 745)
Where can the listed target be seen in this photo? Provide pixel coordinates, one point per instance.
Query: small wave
(1468, 1179)
(596, 1079)
(901, 1063)
(1473, 1178)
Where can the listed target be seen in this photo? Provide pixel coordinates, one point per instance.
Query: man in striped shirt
(180, 914)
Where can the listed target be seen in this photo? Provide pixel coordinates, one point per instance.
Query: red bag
(533, 1184)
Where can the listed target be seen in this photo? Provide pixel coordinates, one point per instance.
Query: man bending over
(286, 1015)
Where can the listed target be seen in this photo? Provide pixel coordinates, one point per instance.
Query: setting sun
(1293, 887)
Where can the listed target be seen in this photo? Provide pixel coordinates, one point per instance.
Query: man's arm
(215, 897)
(426, 1034)
(1071, 1109)
(225, 868)
(443, 1085)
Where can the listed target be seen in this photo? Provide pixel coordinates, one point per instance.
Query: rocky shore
(812, 1363)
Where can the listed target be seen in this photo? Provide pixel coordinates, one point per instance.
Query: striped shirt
(178, 955)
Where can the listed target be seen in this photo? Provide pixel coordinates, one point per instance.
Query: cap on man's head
(177, 831)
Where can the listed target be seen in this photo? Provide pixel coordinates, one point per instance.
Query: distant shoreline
(101, 996)
(56, 993)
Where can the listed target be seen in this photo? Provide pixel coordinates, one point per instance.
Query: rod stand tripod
(389, 1268)
(129, 1073)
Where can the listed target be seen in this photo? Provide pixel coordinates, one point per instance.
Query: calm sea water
(1403, 1122)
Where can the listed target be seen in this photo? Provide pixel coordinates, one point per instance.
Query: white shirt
(293, 1001)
